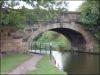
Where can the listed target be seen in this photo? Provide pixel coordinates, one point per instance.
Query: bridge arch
(74, 31)
(76, 39)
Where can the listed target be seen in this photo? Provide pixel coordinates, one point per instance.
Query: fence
(41, 48)
(46, 48)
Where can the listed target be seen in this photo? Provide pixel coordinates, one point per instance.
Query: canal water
(83, 63)
(75, 63)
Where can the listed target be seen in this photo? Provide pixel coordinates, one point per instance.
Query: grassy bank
(11, 61)
(45, 66)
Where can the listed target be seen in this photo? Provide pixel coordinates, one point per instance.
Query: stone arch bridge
(67, 24)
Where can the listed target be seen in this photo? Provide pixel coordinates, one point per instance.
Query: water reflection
(75, 63)
(82, 63)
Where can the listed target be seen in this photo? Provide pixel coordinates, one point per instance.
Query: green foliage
(21, 18)
(44, 15)
(12, 18)
(90, 16)
(90, 12)
(59, 42)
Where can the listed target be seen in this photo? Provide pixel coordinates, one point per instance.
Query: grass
(10, 62)
(44, 66)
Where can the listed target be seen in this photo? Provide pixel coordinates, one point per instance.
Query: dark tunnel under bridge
(77, 40)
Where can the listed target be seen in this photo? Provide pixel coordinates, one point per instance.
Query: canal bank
(78, 63)
(74, 62)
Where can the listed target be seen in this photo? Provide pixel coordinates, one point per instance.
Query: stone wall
(8, 43)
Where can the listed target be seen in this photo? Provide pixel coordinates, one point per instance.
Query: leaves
(59, 42)
(90, 15)
(27, 17)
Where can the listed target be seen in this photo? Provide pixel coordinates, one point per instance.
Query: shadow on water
(81, 63)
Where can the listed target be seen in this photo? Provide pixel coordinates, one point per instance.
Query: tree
(9, 16)
(12, 18)
(90, 16)
(21, 17)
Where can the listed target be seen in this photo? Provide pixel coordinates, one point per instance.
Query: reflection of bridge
(68, 25)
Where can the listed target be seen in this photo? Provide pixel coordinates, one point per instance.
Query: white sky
(72, 5)
(23, 4)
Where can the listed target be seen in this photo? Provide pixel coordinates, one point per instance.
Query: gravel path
(27, 65)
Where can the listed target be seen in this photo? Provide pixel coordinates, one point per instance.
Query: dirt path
(27, 65)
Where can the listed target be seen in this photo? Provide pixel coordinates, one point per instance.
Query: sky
(72, 5)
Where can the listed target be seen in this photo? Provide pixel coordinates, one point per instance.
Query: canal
(81, 63)
(74, 62)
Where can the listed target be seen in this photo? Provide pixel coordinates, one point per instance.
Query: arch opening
(57, 40)
(76, 38)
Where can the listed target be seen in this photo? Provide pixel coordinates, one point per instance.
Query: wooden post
(40, 47)
(45, 49)
(31, 46)
(35, 46)
(93, 50)
(50, 50)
